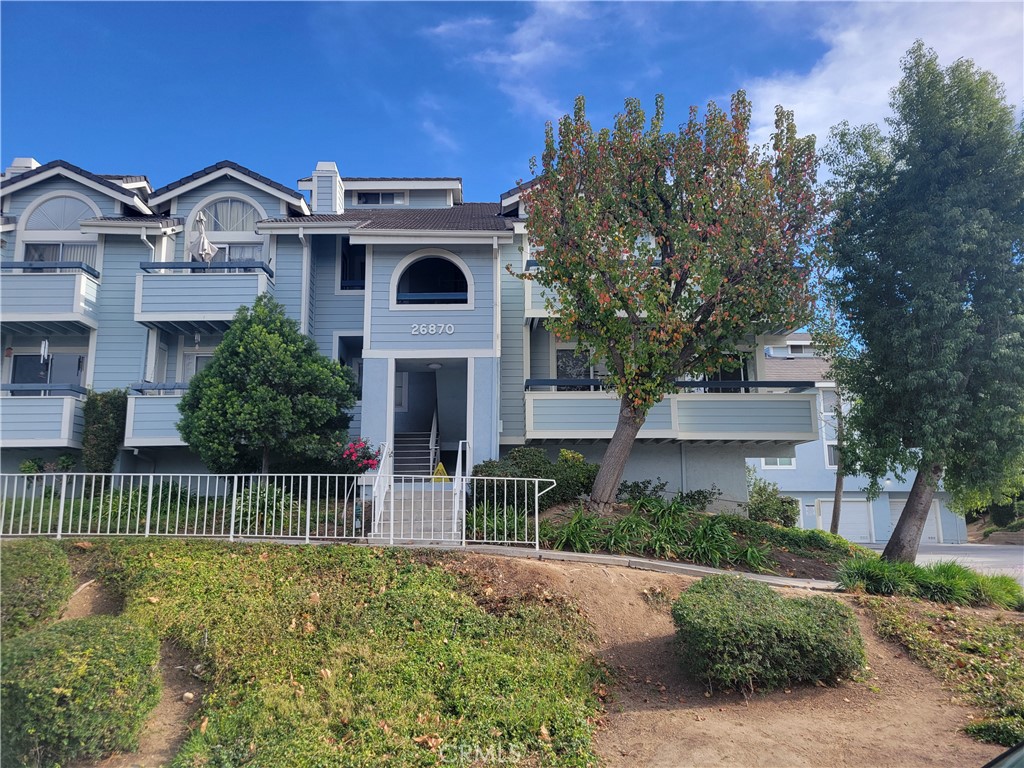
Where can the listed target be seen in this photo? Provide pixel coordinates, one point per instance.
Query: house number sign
(432, 329)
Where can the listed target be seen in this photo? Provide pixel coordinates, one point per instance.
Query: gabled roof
(13, 183)
(227, 168)
(394, 178)
(519, 188)
(468, 217)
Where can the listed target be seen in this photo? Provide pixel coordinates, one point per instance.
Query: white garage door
(932, 533)
(854, 519)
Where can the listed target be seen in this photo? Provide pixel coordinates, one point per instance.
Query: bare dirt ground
(899, 716)
(168, 724)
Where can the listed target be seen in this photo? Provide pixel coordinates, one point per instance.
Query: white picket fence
(379, 508)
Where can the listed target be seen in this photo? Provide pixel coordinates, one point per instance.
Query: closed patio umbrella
(201, 249)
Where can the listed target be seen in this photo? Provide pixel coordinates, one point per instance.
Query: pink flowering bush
(357, 457)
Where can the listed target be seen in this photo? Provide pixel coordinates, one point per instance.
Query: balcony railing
(152, 417)
(87, 267)
(43, 297)
(42, 415)
(782, 412)
(249, 265)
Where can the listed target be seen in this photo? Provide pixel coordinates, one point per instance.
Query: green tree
(928, 240)
(103, 431)
(267, 392)
(667, 252)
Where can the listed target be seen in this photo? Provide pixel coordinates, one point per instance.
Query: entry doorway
(430, 416)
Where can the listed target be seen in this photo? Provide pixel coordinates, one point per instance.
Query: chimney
(328, 190)
(22, 164)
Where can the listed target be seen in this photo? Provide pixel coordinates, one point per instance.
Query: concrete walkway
(643, 564)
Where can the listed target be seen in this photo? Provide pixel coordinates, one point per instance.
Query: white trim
(825, 445)
(299, 201)
(496, 320)
(49, 317)
(154, 442)
(428, 253)
(770, 467)
(25, 236)
(470, 403)
(406, 354)
(152, 339)
(388, 185)
(426, 237)
(367, 299)
(15, 184)
(389, 400)
(234, 238)
(90, 361)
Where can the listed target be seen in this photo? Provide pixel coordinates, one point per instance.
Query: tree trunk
(266, 460)
(837, 502)
(906, 537)
(837, 498)
(606, 485)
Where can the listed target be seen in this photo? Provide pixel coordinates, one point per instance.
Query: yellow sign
(440, 473)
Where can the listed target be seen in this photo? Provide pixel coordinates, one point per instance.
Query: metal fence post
(60, 510)
(391, 527)
(149, 505)
(309, 502)
(234, 501)
(536, 515)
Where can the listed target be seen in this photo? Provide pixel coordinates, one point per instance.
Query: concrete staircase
(412, 454)
(424, 512)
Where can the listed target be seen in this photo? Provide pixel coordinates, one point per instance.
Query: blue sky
(439, 89)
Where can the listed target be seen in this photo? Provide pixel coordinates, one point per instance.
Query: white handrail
(381, 483)
(434, 443)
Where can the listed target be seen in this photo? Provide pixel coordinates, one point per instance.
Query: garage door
(932, 533)
(854, 519)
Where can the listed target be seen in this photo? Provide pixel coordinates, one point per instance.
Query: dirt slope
(657, 717)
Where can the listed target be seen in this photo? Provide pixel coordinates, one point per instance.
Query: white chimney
(22, 164)
(328, 190)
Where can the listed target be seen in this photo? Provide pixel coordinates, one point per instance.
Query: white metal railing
(435, 447)
(375, 508)
(381, 482)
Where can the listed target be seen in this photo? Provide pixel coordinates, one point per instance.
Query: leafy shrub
(262, 504)
(741, 635)
(629, 535)
(700, 499)
(1001, 591)
(753, 557)
(78, 689)
(35, 584)
(820, 545)
(498, 524)
(105, 414)
(766, 505)
(946, 582)
(1002, 515)
(632, 491)
(1008, 731)
(573, 475)
(657, 508)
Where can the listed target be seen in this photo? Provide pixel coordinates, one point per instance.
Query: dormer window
(231, 226)
(380, 198)
(51, 232)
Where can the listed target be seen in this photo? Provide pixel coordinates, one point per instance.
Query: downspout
(304, 300)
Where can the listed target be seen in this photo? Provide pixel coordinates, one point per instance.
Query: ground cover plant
(979, 654)
(940, 582)
(672, 529)
(349, 656)
(78, 689)
(35, 584)
(736, 634)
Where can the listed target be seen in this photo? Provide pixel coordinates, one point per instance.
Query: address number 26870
(432, 329)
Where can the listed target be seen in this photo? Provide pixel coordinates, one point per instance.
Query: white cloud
(440, 135)
(461, 27)
(866, 41)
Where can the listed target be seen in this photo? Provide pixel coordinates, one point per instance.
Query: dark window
(353, 266)
(58, 368)
(432, 281)
(375, 198)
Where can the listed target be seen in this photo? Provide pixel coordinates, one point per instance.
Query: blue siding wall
(418, 198)
(540, 354)
(156, 417)
(474, 329)
(120, 341)
(334, 311)
(23, 199)
(484, 439)
(737, 414)
(309, 289)
(513, 409)
(223, 186)
(288, 275)
(373, 422)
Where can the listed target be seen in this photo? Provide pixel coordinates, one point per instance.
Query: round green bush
(78, 689)
(35, 584)
(741, 635)
(1003, 515)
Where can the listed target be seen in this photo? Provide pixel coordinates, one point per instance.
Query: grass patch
(350, 656)
(740, 635)
(941, 582)
(35, 584)
(980, 656)
(78, 689)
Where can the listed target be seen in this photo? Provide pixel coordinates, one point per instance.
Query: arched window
(51, 232)
(432, 280)
(231, 226)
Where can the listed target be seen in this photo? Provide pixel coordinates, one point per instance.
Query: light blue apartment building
(810, 474)
(399, 278)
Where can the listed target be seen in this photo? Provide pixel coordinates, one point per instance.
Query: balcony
(197, 297)
(49, 297)
(708, 412)
(41, 416)
(153, 415)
